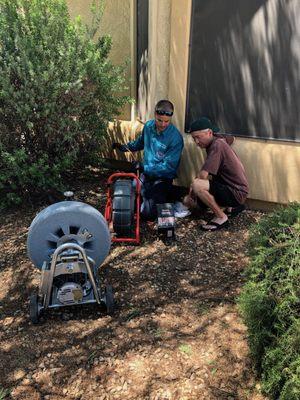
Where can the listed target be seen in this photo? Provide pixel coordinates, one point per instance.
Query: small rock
(171, 377)
(78, 395)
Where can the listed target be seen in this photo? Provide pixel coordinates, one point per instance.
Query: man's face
(162, 122)
(203, 138)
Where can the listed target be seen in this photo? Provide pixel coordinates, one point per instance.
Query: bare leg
(201, 189)
(191, 202)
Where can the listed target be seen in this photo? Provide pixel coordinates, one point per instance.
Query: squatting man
(222, 181)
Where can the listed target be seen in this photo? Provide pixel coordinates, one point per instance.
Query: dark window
(244, 67)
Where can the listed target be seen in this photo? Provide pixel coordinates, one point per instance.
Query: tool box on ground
(67, 242)
(166, 220)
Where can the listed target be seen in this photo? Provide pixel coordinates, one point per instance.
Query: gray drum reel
(68, 241)
(68, 221)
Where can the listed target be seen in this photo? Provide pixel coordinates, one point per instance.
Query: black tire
(123, 207)
(34, 311)
(109, 300)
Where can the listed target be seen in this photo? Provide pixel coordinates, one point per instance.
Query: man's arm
(138, 144)
(168, 165)
(134, 145)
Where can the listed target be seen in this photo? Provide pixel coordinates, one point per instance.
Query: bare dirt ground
(176, 333)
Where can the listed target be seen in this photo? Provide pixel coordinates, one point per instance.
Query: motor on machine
(68, 241)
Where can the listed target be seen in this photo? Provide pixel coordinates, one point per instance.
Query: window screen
(244, 67)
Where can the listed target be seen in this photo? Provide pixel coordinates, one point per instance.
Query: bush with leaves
(270, 301)
(58, 91)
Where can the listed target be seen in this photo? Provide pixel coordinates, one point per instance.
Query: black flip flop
(215, 226)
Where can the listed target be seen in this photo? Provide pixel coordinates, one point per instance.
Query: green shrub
(4, 393)
(258, 313)
(281, 365)
(270, 301)
(58, 90)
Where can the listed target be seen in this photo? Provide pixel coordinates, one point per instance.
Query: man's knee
(200, 185)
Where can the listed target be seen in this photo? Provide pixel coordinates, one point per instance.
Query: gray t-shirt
(224, 165)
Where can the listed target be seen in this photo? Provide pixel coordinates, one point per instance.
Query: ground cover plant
(58, 91)
(270, 301)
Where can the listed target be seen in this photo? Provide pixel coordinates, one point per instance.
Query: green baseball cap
(203, 123)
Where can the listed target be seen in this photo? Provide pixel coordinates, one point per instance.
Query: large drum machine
(68, 241)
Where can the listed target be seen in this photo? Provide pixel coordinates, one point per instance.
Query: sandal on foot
(214, 226)
(235, 211)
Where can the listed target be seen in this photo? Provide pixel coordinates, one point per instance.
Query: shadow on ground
(176, 332)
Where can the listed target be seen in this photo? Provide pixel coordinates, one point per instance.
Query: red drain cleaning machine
(122, 211)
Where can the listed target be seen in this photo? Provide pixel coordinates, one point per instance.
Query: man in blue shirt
(162, 144)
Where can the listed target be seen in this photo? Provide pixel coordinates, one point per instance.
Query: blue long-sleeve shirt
(162, 150)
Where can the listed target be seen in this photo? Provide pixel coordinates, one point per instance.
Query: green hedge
(58, 91)
(270, 301)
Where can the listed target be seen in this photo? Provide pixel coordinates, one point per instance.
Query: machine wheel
(34, 311)
(123, 207)
(109, 299)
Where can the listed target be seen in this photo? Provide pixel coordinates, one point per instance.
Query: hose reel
(68, 241)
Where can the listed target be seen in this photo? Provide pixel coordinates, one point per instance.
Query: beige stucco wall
(118, 21)
(159, 53)
(273, 169)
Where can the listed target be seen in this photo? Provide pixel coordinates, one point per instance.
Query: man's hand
(202, 175)
(118, 146)
(190, 200)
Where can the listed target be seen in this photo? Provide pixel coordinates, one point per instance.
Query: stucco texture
(116, 22)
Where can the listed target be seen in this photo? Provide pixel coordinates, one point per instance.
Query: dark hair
(164, 105)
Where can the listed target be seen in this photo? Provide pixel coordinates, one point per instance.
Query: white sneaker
(180, 210)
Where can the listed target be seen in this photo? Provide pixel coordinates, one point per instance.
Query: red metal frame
(108, 207)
